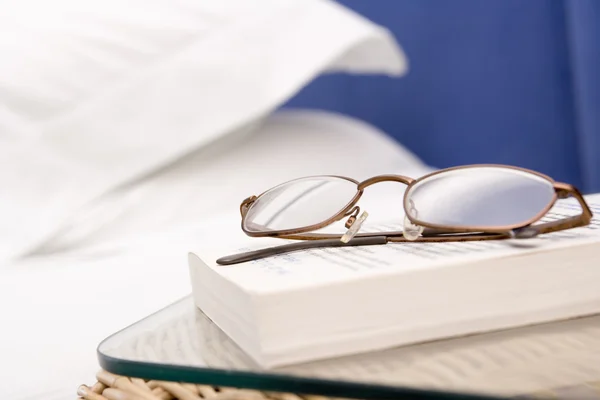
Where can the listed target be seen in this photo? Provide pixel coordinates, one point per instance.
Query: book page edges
(315, 341)
(235, 314)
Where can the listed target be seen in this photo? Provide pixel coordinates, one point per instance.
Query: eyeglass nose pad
(350, 221)
(353, 224)
(411, 231)
(352, 214)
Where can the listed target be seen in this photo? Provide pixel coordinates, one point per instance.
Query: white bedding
(110, 169)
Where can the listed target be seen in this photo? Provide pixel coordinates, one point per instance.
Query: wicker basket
(114, 387)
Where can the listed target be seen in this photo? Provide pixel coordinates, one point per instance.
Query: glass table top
(557, 360)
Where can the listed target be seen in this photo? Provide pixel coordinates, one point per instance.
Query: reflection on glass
(479, 197)
(300, 203)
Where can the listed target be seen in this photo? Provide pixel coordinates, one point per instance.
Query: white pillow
(96, 93)
(214, 180)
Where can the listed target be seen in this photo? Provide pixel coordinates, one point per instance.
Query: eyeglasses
(474, 202)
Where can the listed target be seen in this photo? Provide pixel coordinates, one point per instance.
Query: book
(322, 303)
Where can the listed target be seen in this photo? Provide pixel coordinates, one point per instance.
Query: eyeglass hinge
(562, 193)
(246, 204)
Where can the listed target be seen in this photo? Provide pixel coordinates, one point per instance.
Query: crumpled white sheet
(94, 94)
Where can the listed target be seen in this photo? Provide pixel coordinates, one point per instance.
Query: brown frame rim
(284, 232)
(561, 190)
(487, 229)
(318, 240)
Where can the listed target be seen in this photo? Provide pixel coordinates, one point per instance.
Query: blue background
(490, 81)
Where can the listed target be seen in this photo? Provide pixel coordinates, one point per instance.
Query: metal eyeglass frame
(307, 239)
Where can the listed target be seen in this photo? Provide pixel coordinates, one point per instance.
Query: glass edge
(264, 381)
(275, 382)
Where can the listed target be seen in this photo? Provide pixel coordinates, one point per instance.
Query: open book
(323, 303)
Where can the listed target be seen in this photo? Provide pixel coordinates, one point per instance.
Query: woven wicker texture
(114, 387)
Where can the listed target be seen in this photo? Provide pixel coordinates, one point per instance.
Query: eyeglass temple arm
(303, 245)
(367, 240)
(564, 191)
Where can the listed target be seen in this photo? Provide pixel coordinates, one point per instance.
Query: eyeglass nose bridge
(385, 178)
